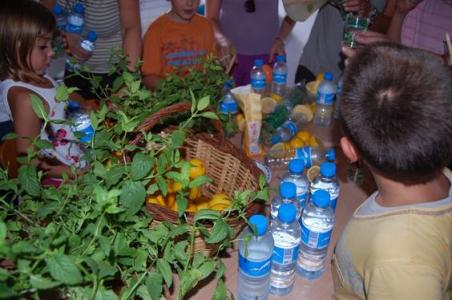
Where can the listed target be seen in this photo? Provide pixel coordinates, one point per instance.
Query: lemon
(312, 87)
(278, 150)
(296, 143)
(268, 105)
(197, 168)
(192, 207)
(312, 172)
(194, 193)
(312, 106)
(156, 200)
(219, 202)
(170, 200)
(320, 76)
(203, 205)
(313, 142)
(302, 111)
(241, 122)
(304, 135)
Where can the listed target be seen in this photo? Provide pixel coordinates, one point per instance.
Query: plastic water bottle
(338, 99)
(87, 45)
(255, 252)
(60, 17)
(76, 20)
(327, 181)
(81, 122)
(286, 232)
(228, 105)
(311, 156)
(296, 176)
(258, 77)
(287, 194)
(316, 227)
(288, 130)
(279, 78)
(324, 102)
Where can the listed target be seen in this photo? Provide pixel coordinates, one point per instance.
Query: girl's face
(42, 53)
(184, 10)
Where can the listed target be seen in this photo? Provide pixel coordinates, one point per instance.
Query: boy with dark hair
(175, 42)
(396, 107)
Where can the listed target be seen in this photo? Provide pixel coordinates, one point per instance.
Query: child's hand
(277, 48)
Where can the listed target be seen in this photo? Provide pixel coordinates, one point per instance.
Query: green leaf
(220, 291)
(28, 179)
(153, 284)
(41, 283)
(165, 270)
(177, 138)
(23, 247)
(38, 107)
(63, 269)
(179, 230)
(114, 174)
(203, 103)
(180, 251)
(6, 292)
(132, 197)
(209, 115)
(182, 204)
(188, 281)
(141, 165)
(206, 214)
(198, 181)
(207, 268)
(42, 144)
(3, 232)
(219, 232)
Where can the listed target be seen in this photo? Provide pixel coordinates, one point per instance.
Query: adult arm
(225, 47)
(403, 7)
(129, 11)
(284, 30)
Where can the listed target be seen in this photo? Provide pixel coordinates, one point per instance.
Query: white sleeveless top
(66, 149)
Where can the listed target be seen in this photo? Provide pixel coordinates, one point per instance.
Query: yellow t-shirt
(172, 47)
(402, 253)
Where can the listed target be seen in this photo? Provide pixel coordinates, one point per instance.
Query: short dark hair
(396, 109)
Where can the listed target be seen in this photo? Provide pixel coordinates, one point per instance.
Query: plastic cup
(353, 24)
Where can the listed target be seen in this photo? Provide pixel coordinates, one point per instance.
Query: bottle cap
(287, 212)
(287, 190)
(73, 105)
(280, 58)
(57, 9)
(328, 169)
(229, 107)
(259, 62)
(276, 139)
(228, 84)
(79, 8)
(260, 222)
(330, 154)
(92, 36)
(321, 198)
(296, 166)
(328, 76)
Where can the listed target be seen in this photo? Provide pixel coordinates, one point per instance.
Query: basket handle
(155, 118)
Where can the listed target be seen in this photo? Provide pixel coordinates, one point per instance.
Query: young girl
(26, 29)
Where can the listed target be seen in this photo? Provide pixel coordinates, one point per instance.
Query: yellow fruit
(319, 76)
(313, 142)
(268, 105)
(170, 200)
(197, 168)
(219, 207)
(312, 87)
(297, 143)
(302, 111)
(241, 122)
(219, 200)
(304, 135)
(156, 200)
(192, 207)
(312, 172)
(312, 106)
(278, 150)
(174, 187)
(194, 193)
(203, 205)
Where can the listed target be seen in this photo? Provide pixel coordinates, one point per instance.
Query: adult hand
(370, 37)
(361, 7)
(277, 49)
(226, 52)
(72, 44)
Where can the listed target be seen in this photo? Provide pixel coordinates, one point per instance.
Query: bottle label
(313, 239)
(279, 78)
(302, 199)
(74, 24)
(254, 268)
(305, 154)
(291, 126)
(258, 83)
(284, 256)
(325, 98)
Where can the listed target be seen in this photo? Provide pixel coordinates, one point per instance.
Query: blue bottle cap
(287, 212)
(79, 8)
(228, 107)
(92, 36)
(280, 58)
(328, 76)
(260, 222)
(228, 84)
(276, 139)
(57, 9)
(321, 198)
(73, 105)
(259, 62)
(296, 166)
(330, 154)
(287, 190)
(328, 169)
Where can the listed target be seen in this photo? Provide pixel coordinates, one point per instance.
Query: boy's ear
(349, 150)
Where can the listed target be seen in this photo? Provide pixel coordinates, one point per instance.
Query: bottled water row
(299, 234)
(279, 78)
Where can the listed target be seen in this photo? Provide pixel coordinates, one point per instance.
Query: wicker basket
(230, 169)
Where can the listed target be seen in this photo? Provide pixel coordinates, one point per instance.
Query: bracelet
(373, 14)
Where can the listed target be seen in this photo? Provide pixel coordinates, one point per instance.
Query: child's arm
(152, 81)
(27, 126)
(152, 68)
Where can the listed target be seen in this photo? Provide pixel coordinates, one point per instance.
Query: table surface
(350, 198)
